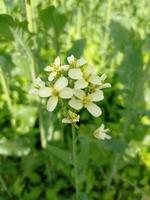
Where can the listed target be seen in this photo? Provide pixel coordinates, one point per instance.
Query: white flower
(71, 118)
(88, 76)
(59, 90)
(87, 101)
(103, 85)
(100, 133)
(55, 68)
(36, 86)
(75, 64)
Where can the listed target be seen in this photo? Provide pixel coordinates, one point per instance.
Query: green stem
(42, 130)
(29, 15)
(75, 162)
(106, 34)
(6, 90)
(5, 187)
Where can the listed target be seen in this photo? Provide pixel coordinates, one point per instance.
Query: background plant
(114, 37)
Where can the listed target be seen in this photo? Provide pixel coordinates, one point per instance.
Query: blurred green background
(35, 148)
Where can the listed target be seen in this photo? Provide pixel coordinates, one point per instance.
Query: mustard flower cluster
(75, 83)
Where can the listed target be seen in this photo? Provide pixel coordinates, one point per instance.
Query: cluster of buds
(75, 84)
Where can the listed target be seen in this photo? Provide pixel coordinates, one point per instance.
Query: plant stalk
(75, 162)
(6, 90)
(30, 12)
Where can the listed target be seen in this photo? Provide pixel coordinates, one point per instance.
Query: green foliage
(35, 148)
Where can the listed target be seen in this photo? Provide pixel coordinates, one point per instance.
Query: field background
(35, 148)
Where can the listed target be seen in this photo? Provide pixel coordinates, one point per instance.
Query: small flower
(88, 76)
(71, 118)
(75, 64)
(55, 68)
(86, 101)
(36, 86)
(100, 133)
(103, 85)
(59, 90)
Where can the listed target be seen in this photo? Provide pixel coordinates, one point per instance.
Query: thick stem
(75, 162)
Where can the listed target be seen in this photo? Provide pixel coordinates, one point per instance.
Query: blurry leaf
(6, 62)
(77, 48)
(51, 18)
(83, 196)
(118, 29)
(115, 145)
(34, 193)
(24, 118)
(14, 147)
(61, 154)
(146, 45)
(6, 21)
(83, 156)
(22, 66)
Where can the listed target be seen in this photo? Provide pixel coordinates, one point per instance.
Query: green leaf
(115, 145)
(61, 154)
(6, 21)
(77, 48)
(83, 156)
(51, 18)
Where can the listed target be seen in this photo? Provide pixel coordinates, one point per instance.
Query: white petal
(90, 70)
(57, 61)
(79, 93)
(103, 77)
(102, 127)
(48, 69)
(81, 61)
(105, 85)
(94, 109)
(52, 76)
(66, 93)
(52, 103)
(104, 136)
(70, 59)
(80, 84)
(95, 80)
(45, 92)
(61, 83)
(64, 67)
(76, 104)
(97, 95)
(33, 91)
(75, 73)
(39, 82)
(66, 121)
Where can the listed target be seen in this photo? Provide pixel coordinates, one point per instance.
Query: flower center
(36, 86)
(55, 93)
(86, 100)
(86, 76)
(55, 67)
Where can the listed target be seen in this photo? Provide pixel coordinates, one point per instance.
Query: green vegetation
(36, 161)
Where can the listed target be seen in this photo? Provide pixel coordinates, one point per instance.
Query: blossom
(71, 118)
(88, 76)
(101, 133)
(36, 86)
(59, 90)
(75, 64)
(103, 85)
(55, 68)
(86, 100)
